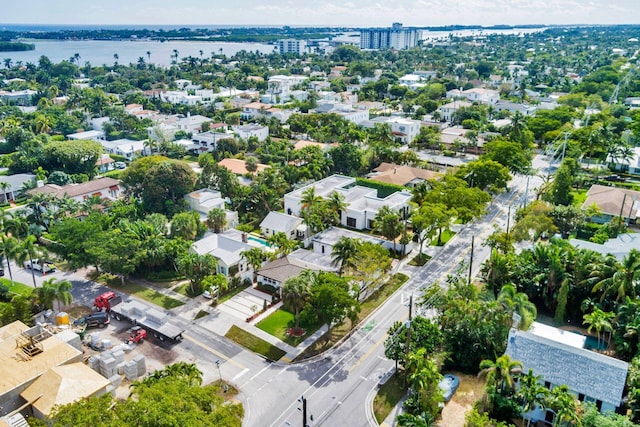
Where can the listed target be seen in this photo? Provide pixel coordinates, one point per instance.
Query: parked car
(99, 319)
(120, 165)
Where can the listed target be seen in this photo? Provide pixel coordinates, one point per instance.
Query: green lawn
(579, 197)
(278, 322)
(388, 397)
(446, 236)
(255, 344)
(140, 291)
(16, 288)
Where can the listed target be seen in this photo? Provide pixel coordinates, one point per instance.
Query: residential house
(612, 202)
(406, 176)
(560, 358)
(630, 165)
(481, 95)
(346, 111)
(276, 222)
(324, 241)
(62, 385)
(513, 107)
(227, 248)
(105, 164)
(363, 203)
(251, 130)
(103, 187)
(280, 87)
(92, 135)
(405, 130)
(447, 111)
(207, 141)
(26, 354)
(127, 148)
(254, 110)
(17, 97)
(206, 199)
(276, 272)
(409, 79)
(239, 167)
(12, 186)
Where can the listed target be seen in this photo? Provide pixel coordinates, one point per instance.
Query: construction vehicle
(151, 319)
(138, 335)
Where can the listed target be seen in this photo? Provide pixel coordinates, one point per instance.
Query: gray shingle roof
(584, 371)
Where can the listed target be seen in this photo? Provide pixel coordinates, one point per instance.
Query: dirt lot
(157, 354)
(469, 391)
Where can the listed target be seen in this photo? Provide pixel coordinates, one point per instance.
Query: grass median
(255, 344)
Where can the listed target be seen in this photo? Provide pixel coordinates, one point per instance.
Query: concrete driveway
(245, 304)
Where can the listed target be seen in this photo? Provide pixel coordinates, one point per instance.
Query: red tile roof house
(105, 188)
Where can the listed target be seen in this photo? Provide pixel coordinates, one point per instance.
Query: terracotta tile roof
(74, 190)
(402, 175)
(238, 166)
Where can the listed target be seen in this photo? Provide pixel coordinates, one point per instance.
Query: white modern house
(127, 148)
(93, 135)
(280, 87)
(363, 203)
(481, 95)
(405, 130)
(251, 130)
(207, 141)
(448, 110)
(206, 199)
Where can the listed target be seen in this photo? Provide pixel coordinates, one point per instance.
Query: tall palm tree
(309, 198)
(8, 248)
(216, 220)
(27, 251)
(344, 251)
(518, 302)
(500, 373)
(54, 291)
(295, 294)
(254, 257)
(600, 321)
(337, 203)
(624, 280)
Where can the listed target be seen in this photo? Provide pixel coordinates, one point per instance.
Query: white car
(40, 265)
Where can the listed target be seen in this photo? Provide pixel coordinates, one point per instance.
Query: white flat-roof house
(252, 129)
(363, 203)
(280, 87)
(207, 141)
(559, 358)
(406, 130)
(93, 135)
(476, 94)
(206, 199)
(127, 148)
(447, 110)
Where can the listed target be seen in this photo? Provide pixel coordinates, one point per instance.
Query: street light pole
(219, 373)
(408, 343)
(471, 259)
(304, 411)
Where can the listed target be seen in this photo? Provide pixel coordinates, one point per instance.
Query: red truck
(151, 319)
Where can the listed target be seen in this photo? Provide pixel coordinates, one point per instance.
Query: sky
(349, 13)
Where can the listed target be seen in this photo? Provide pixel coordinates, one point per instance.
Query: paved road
(340, 386)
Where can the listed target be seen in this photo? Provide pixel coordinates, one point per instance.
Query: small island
(7, 46)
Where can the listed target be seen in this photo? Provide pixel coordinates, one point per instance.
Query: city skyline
(353, 13)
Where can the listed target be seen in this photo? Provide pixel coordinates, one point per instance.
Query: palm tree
(309, 198)
(284, 246)
(518, 302)
(532, 392)
(387, 223)
(8, 248)
(216, 220)
(27, 251)
(500, 373)
(600, 321)
(564, 404)
(295, 294)
(410, 420)
(344, 251)
(254, 257)
(336, 203)
(52, 291)
(624, 280)
(149, 56)
(115, 59)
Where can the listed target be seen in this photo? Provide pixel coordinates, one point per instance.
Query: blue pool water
(259, 240)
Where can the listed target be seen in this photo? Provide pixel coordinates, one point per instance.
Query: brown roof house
(103, 187)
(406, 176)
(612, 202)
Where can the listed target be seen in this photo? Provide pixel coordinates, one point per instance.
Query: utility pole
(408, 343)
(471, 260)
(508, 218)
(304, 411)
(624, 199)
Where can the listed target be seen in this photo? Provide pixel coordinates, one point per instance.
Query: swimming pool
(591, 342)
(259, 240)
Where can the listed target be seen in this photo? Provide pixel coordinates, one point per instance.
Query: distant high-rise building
(395, 37)
(291, 46)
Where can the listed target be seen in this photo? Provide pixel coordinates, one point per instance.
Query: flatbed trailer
(156, 322)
